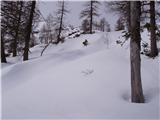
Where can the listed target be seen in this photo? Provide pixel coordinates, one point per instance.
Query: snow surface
(72, 81)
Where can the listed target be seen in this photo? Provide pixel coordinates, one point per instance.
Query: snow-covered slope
(75, 81)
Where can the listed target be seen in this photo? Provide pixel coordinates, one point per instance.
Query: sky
(75, 7)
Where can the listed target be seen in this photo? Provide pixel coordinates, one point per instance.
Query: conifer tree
(29, 30)
(136, 85)
(59, 19)
(90, 11)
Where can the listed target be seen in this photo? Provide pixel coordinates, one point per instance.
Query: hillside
(75, 81)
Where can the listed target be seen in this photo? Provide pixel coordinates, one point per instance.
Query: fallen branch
(45, 48)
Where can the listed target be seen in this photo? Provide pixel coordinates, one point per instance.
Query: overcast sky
(75, 7)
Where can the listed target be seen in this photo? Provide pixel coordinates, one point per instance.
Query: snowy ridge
(72, 81)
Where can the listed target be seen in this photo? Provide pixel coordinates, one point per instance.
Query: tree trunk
(128, 16)
(15, 46)
(29, 29)
(3, 56)
(136, 85)
(154, 49)
(61, 22)
(17, 30)
(91, 17)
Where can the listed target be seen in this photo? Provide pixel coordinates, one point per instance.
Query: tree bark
(29, 29)
(154, 49)
(61, 22)
(91, 17)
(3, 56)
(128, 16)
(136, 85)
(17, 31)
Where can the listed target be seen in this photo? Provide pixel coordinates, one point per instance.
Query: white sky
(75, 7)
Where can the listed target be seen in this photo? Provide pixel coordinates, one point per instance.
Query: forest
(104, 66)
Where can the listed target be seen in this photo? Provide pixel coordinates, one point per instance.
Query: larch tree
(102, 24)
(108, 28)
(149, 17)
(3, 31)
(120, 24)
(90, 11)
(3, 56)
(85, 26)
(14, 18)
(11, 14)
(59, 19)
(136, 85)
(19, 14)
(122, 8)
(50, 27)
(43, 36)
(154, 49)
(29, 30)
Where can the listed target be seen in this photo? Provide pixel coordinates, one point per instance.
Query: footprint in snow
(87, 72)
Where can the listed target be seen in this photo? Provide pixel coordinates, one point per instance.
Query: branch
(45, 48)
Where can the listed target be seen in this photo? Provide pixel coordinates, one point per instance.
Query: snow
(72, 81)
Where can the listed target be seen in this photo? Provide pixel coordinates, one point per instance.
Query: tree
(104, 25)
(20, 6)
(154, 49)
(29, 30)
(47, 30)
(90, 11)
(44, 34)
(122, 8)
(108, 28)
(136, 85)
(59, 20)
(15, 16)
(3, 56)
(120, 24)
(149, 17)
(3, 31)
(11, 14)
(50, 27)
(85, 26)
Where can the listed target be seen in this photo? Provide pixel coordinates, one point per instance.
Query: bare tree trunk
(136, 85)
(91, 17)
(29, 29)
(3, 56)
(15, 45)
(61, 22)
(128, 16)
(154, 49)
(17, 30)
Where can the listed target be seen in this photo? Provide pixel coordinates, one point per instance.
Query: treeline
(52, 29)
(18, 20)
(18, 25)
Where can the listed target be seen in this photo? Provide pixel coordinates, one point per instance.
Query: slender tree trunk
(61, 22)
(3, 56)
(91, 17)
(15, 45)
(154, 49)
(103, 27)
(128, 16)
(29, 29)
(136, 85)
(17, 30)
